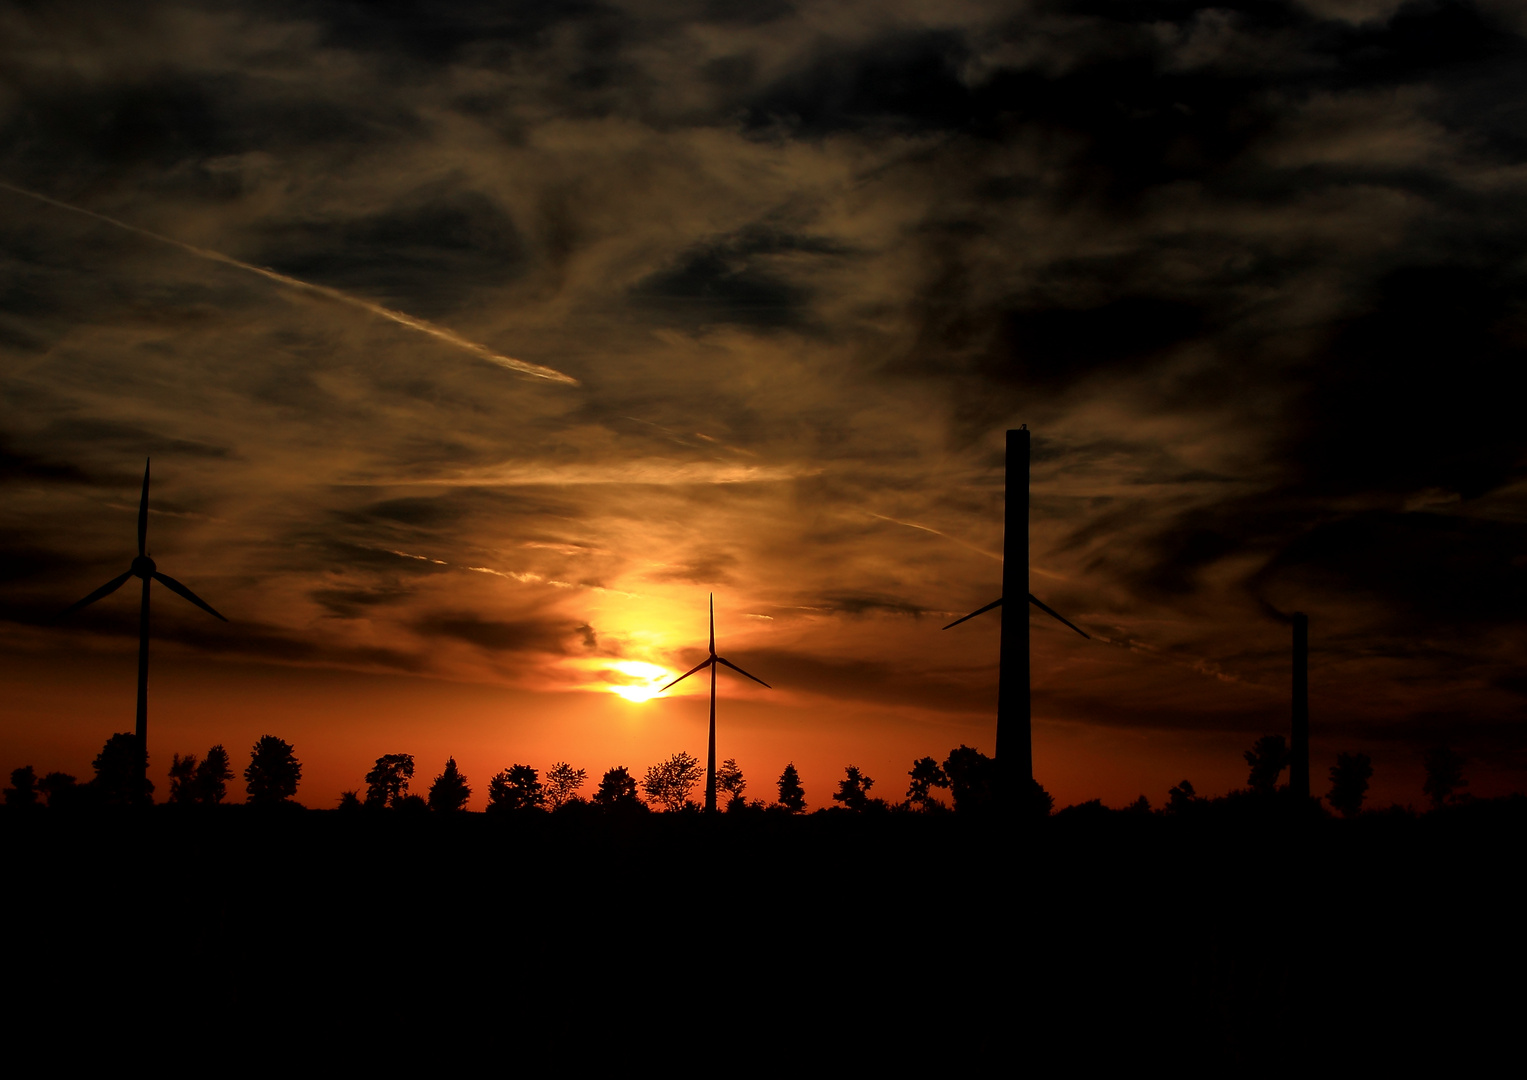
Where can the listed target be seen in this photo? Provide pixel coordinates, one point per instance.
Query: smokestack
(1299, 744)
(1014, 750)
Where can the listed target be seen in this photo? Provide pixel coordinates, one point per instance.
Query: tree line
(969, 776)
(1349, 778)
(121, 778)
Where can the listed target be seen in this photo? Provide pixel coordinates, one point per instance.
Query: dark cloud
(307, 550)
(18, 466)
(436, 33)
(271, 643)
(748, 12)
(23, 557)
(113, 436)
(353, 603)
(869, 604)
(520, 635)
(1043, 345)
(1418, 390)
(429, 510)
(902, 81)
(1451, 38)
(708, 568)
(881, 682)
(739, 278)
(427, 254)
(176, 132)
(176, 622)
(1432, 572)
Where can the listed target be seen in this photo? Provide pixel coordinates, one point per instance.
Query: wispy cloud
(450, 337)
(652, 471)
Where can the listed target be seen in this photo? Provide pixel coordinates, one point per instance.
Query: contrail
(402, 318)
(935, 532)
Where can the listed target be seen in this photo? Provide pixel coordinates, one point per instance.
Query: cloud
(652, 471)
(328, 293)
(17, 466)
(707, 568)
(870, 604)
(521, 635)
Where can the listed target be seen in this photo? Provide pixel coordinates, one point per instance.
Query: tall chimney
(1299, 744)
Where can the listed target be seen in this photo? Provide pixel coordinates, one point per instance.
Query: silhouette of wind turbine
(1299, 740)
(711, 661)
(1014, 752)
(144, 568)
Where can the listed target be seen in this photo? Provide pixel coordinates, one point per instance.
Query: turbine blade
(713, 624)
(105, 590)
(738, 670)
(978, 611)
(688, 673)
(143, 513)
(175, 586)
(1055, 615)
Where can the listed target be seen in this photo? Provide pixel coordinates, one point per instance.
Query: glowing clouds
(633, 680)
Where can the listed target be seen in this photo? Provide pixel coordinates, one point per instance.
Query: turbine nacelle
(143, 567)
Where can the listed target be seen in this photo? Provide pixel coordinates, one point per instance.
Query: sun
(644, 680)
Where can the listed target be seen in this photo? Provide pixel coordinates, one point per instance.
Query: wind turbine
(711, 661)
(1014, 754)
(142, 567)
(1299, 741)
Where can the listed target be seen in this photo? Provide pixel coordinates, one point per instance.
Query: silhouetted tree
(212, 776)
(671, 781)
(1142, 805)
(926, 775)
(387, 782)
(562, 783)
(516, 788)
(349, 800)
(617, 790)
(23, 789)
(972, 779)
(450, 790)
(1268, 757)
(1349, 783)
(854, 789)
(1180, 798)
(1040, 802)
(412, 804)
(120, 775)
(1444, 775)
(183, 779)
(58, 788)
(729, 782)
(273, 772)
(791, 795)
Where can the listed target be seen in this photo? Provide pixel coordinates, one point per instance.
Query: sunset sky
(476, 344)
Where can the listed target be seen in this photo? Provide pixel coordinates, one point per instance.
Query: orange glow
(646, 679)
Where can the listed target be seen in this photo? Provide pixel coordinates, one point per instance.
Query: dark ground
(1246, 941)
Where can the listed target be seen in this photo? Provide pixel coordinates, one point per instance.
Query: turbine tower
(1299, 743)
(711, 661)
(142, 567)
(1014, 752)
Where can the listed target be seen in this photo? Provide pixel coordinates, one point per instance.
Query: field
(1095, 936)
